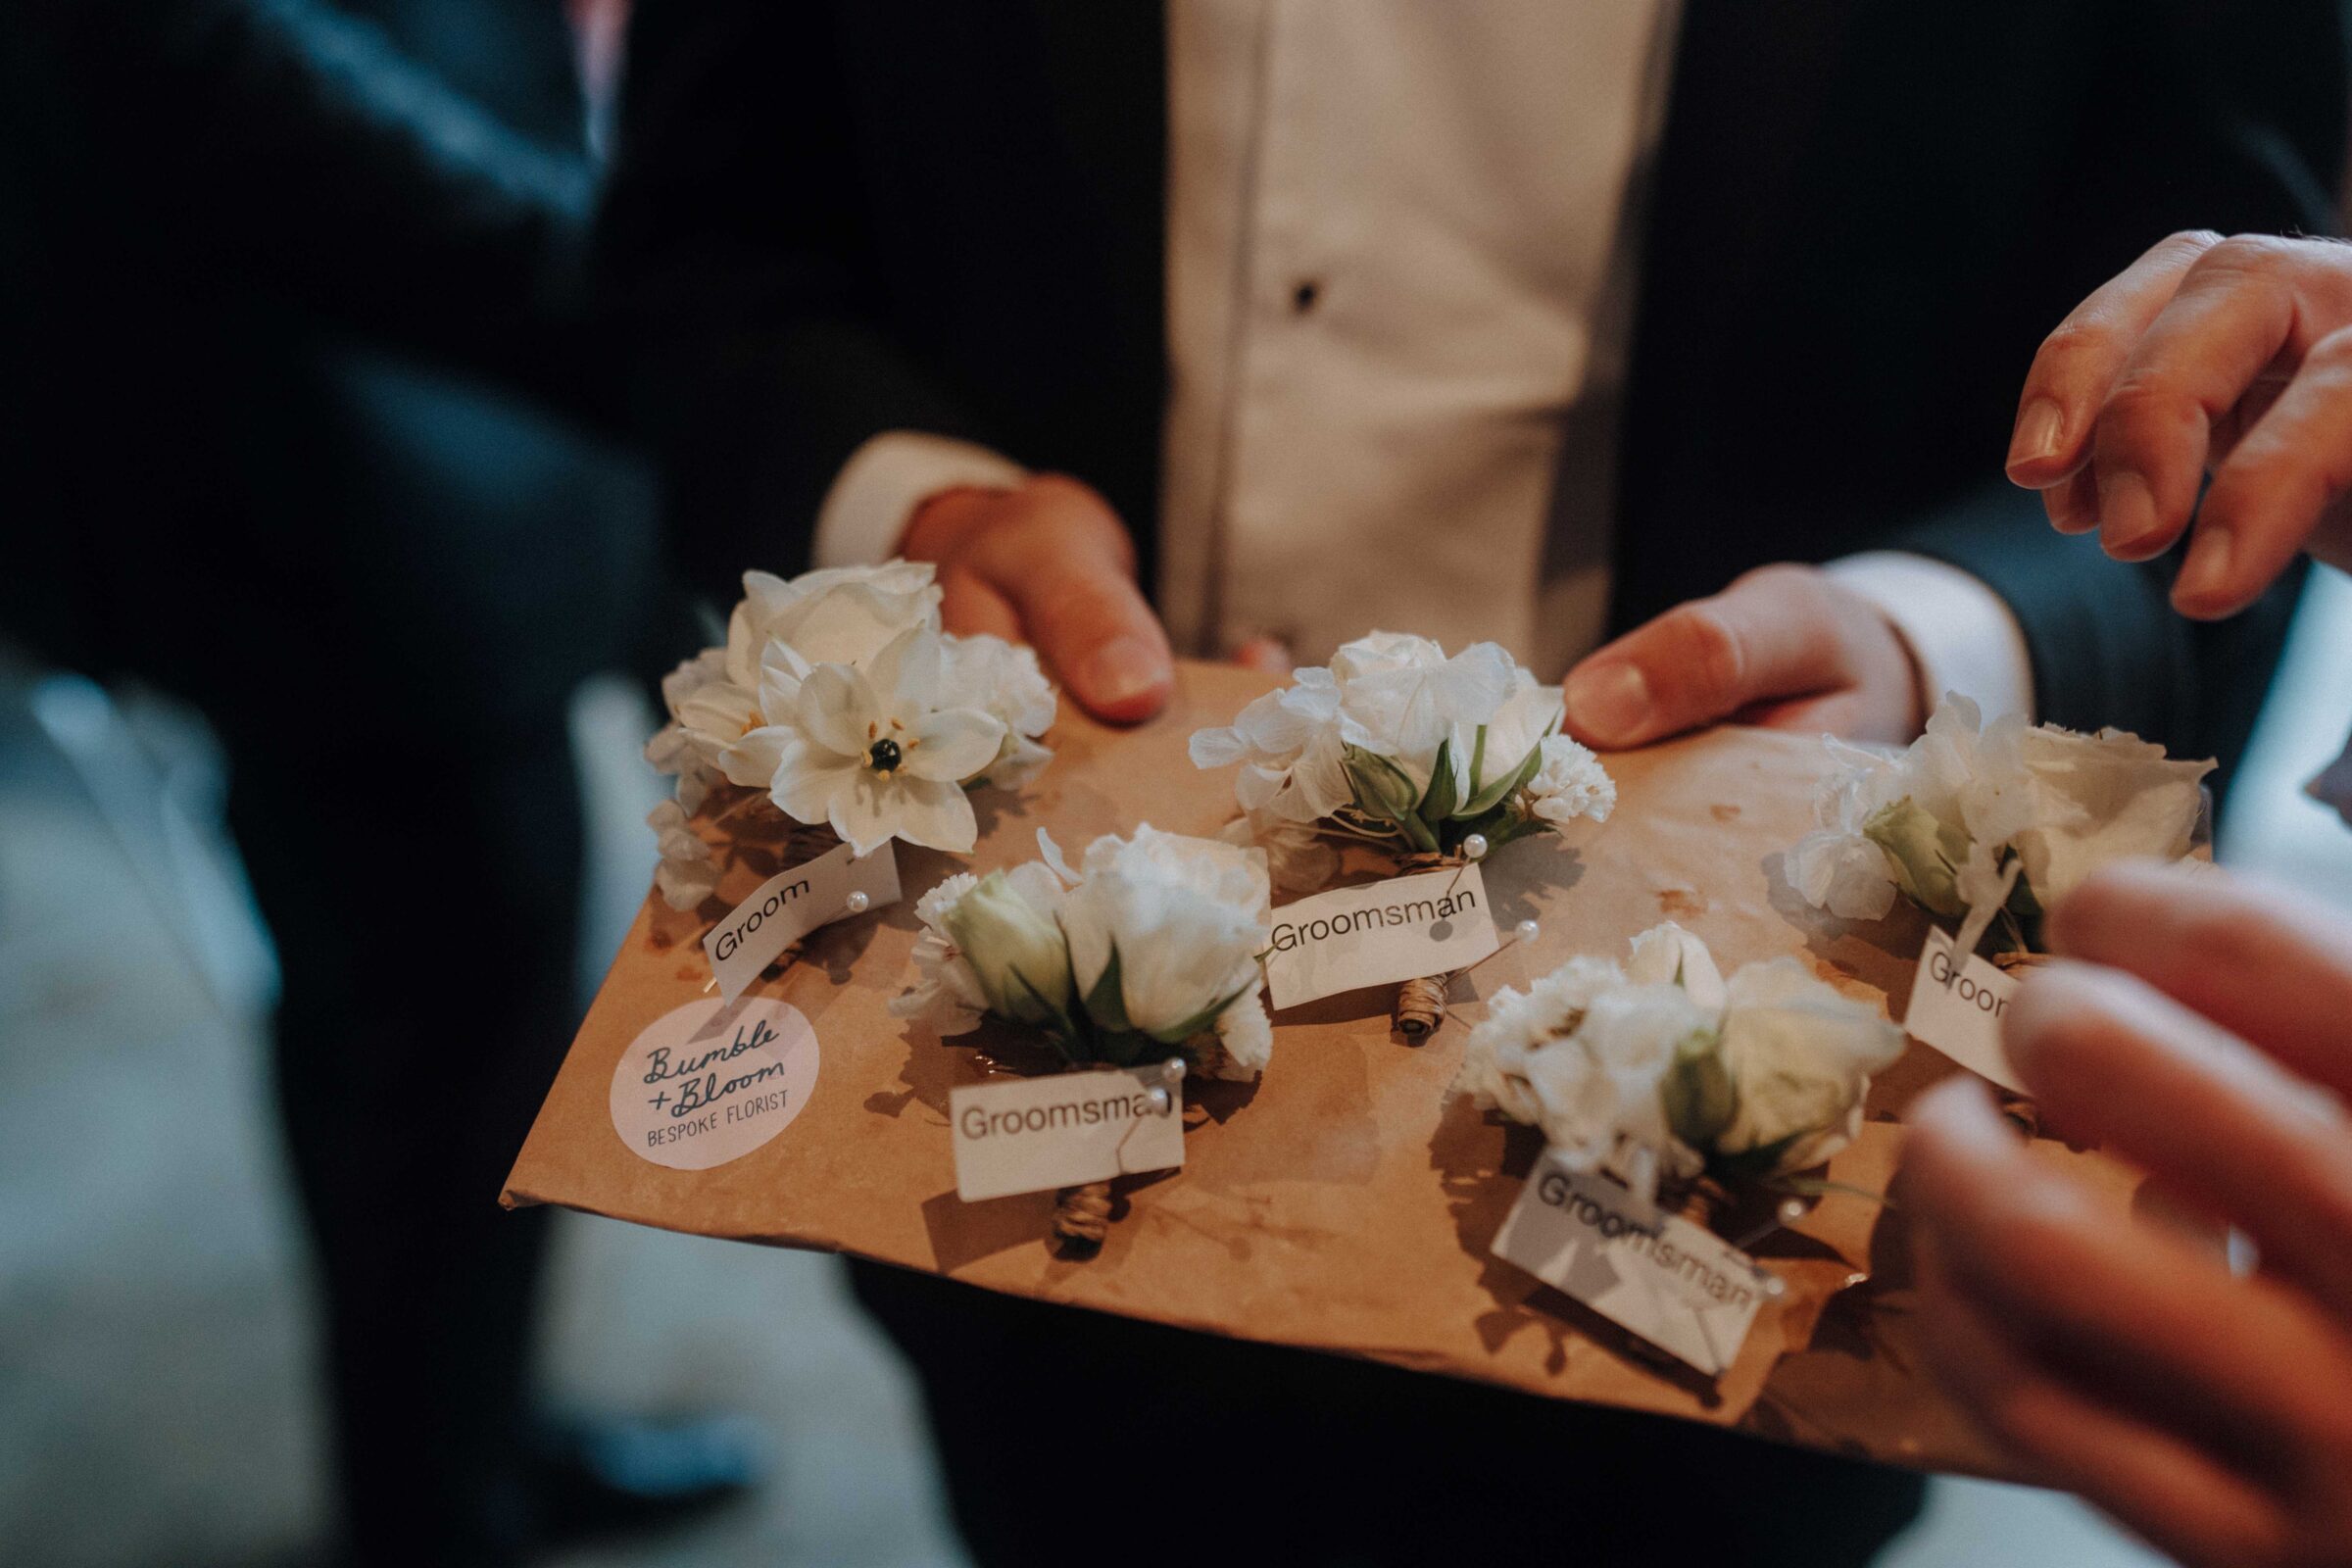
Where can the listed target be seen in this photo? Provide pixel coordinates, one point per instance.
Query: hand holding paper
(1784, 647)
(1048, 563)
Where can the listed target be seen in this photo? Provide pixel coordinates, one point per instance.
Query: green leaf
(1106, 1003)
(1382, 788)
(1504, 787)
(1067, 1033)
(1121, 1047)
(1438, 804)
(1698, 1092)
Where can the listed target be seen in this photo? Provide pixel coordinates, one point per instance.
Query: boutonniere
(1988, 825)
(1145, 953)
(1437, 760)
(839, 709)
(1675, 1081)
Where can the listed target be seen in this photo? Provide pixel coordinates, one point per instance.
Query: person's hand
(2204, 1034)
(1783, 646)
(2228, 355)
(1048, 563)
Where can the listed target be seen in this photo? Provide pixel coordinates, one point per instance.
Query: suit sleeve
(2105, 643)
(735, 253)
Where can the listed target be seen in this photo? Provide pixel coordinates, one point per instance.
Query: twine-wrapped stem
(1082, 1217)
(1421, 1001)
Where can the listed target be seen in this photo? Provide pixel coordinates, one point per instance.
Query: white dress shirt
(1403, 243)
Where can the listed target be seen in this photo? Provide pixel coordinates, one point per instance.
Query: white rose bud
(1015, 952)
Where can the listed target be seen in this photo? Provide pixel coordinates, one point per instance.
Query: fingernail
(2203, 575)
(1122, 672)
(2039, 429)
(1610, 702)
(2127, 511)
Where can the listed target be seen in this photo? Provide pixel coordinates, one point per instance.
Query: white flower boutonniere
(1661, 1070)
(1990, 824)
(1438, 761)
(1150, 946)
(1399, 744)
(1147, 951)
(838, 695)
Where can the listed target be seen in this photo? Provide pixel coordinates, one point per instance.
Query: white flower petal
(952, 745)
(840, 710)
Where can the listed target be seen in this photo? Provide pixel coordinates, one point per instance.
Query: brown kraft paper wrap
(1342, 1203)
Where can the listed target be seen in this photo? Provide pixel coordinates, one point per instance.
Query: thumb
(1770, 634)
(1079, 605)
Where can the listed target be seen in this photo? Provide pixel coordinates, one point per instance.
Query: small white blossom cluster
(1973, 816)
(1398, 741)
(838, 693)
(1661, 1068)
(1151, 941)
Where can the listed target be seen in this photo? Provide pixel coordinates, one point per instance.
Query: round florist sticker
(711, 1081)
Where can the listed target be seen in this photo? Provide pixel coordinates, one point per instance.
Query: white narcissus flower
(1186, 919)
(1287, 744)
(1003, 680)
(688, 873)
(1800, 1057)
(872, 751)
(839, 615)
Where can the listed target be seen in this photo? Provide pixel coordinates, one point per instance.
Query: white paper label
(1680, 1286)
(1960, 1014)
(1025, 1134)
(790, 905)
(711, 1081)
(1434, 922)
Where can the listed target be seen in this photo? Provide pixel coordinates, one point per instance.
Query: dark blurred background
(380, 528)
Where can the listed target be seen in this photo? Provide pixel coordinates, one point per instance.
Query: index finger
(2079, 361)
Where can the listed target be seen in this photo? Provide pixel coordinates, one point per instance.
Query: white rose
(1668, 954)
(1800, 1057)
(1185, 919)
(1599, 1086)
(1005, 930)
(839, 615)
(1380, 652)
(2101, 798)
